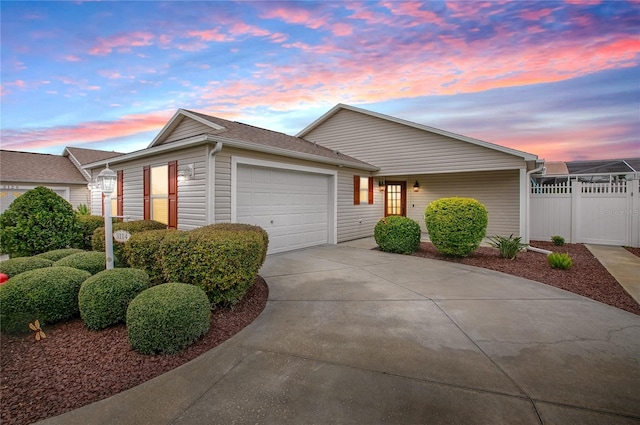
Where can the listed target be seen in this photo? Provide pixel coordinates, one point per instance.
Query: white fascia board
(208, 138)
(525, 155)
(175, 120)
(181, 144)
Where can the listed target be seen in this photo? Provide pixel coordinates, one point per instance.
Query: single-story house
(22, 171)
(330, 183)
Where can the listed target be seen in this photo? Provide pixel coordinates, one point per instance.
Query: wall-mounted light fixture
(381, 185)
(416, 186)
(185, 172)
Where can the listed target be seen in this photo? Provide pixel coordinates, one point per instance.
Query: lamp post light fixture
(106, 183)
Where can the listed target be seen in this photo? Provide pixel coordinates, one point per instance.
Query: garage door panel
(291, 206)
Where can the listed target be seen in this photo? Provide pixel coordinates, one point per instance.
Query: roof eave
(175, 120)
(524, 155)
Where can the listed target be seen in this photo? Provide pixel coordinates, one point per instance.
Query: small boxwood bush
(557, 240)
(241, 227)
(87, 224)
(223, 263)
(456, 226)
(103, 298)
(97, 240)
(397, 234)
(559, 260)
(37, 221)
(15, 266)
(142, 251)
(58, 254)
(49, 295)
(90, 261)
(166, 318)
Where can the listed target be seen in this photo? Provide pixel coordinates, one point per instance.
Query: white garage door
(292, 206)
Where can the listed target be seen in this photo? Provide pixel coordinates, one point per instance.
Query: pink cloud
(121, 42)
(72, 58)
(534, 15)
(342, 30)
(295, 15)
(209, 35)
(42, 138)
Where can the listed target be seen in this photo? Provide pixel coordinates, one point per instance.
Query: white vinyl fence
(598, 213)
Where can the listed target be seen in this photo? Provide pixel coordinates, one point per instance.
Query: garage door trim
(332, 232)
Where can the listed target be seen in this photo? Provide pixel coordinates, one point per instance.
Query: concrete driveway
(355, 336)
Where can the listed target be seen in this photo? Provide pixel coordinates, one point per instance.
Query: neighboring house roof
(87, 156)
(37, 168)
(526, 156)
(244, 136)
(556, 167)
(629, 165)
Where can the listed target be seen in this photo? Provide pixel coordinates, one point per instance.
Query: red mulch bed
(73, 366)
(587, 277)
(634, 251)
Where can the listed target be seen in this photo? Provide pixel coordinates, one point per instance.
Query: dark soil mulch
(587, 277)
(634, 251)
(74, 366)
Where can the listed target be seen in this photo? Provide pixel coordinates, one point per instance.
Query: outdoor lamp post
(107, 182)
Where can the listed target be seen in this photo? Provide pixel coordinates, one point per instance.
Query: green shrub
(559, 260)
(15, 266)
(97, 240)
(37, 221)
(508, 247)
(142, 251)
(58, 254)
(83, 209)
(557, 240)
(49, 295)
(103, 298)
(223, 263)
(456, 226)
(166, 318)
(397, 234)
(87, 224)
(90, 261)
(240, 227)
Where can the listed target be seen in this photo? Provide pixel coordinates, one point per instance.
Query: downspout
(212, 183)
(528, 198)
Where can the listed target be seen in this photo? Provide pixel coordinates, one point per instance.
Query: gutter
(528, 198)
(209, 138)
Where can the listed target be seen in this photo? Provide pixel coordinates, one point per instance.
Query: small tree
(37, 221)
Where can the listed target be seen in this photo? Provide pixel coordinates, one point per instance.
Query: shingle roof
(38, 168)
(261, 136)
(87, 156)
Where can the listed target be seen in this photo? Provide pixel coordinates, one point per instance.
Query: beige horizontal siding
(498, 191)
(356, 221)
(399, 149)
(187, 128)
(192, 194)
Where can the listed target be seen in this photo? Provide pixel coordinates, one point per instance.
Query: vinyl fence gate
(598, 213)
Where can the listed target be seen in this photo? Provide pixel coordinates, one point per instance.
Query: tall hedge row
(97, 240)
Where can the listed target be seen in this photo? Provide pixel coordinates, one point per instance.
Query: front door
(395, 198)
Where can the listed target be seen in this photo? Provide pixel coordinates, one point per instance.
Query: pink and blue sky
(560, 79)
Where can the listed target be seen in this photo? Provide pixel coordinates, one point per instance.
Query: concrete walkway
(354, 336)
(622, 265)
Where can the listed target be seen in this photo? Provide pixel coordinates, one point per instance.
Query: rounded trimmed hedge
(142, 251)
(59, 254)
(397, 234)
(241, 227)
(49, 295)
(103, 298)
(91, 261)
(165, 319)
(87, 224)
(456, 225)
(15, 266)
(97, 240)
(224, 263)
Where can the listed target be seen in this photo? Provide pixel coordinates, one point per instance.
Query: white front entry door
(292, 206)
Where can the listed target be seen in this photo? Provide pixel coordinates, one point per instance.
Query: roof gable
(87, 156)
(336, 109)
(38, 168)
(177, 118)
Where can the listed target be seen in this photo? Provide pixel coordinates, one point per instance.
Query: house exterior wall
(400, 149)
(76, 194)
(498, 191)
(192, 194)
(186, 128)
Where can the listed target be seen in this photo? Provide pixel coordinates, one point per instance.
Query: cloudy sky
(560, 79)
